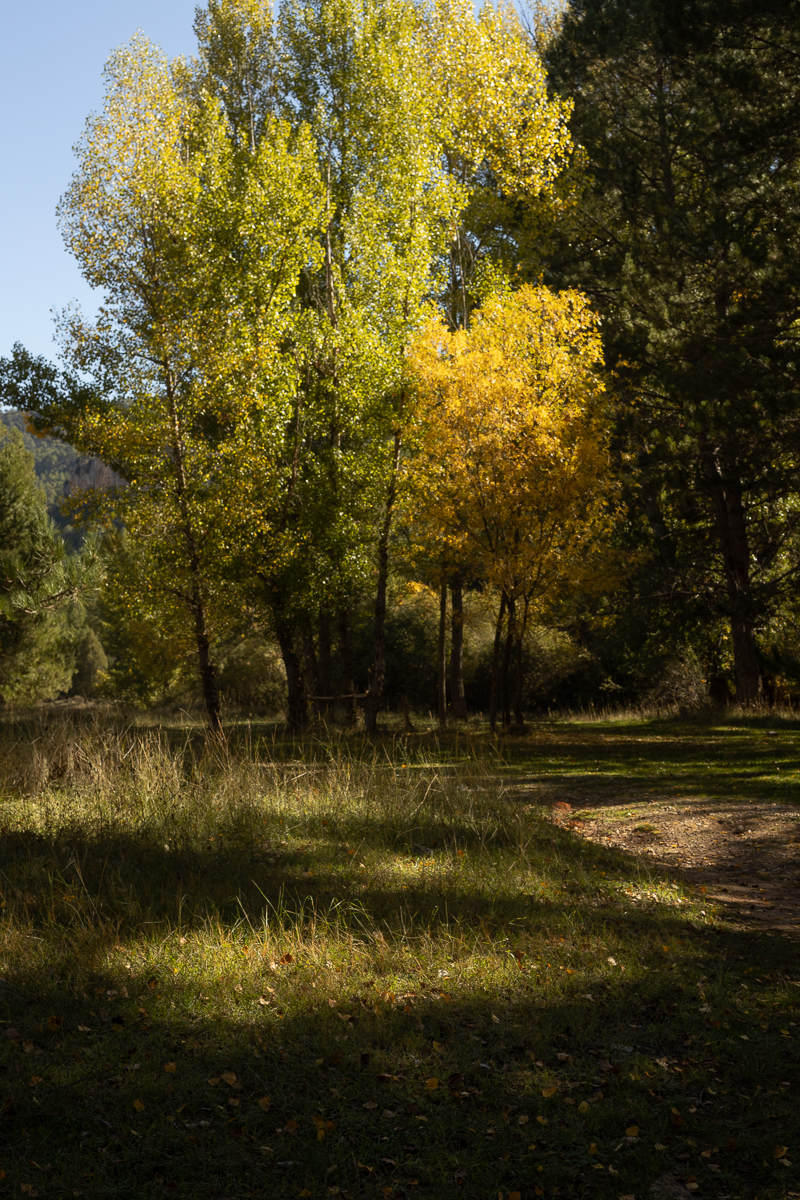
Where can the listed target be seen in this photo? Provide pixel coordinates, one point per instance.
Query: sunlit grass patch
(252, 973)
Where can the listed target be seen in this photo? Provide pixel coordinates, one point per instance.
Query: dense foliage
(340, 407)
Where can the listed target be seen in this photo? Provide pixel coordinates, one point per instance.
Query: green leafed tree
(684, 234)
(196, 243)
(38, 581)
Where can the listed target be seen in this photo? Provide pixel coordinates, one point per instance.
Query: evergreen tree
(37, 581)
(685, 236)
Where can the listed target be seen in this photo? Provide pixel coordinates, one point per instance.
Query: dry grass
(345, 931)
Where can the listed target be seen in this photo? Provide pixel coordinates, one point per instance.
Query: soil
(744, 855)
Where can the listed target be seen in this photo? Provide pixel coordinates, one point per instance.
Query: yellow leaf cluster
(511, 470)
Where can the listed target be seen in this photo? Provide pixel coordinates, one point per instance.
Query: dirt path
(745, 855)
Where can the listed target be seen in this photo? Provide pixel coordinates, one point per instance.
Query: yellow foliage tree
(511, 475)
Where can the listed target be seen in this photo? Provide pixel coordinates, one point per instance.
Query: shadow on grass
(113, 1094)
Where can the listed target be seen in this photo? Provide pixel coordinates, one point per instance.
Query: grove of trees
(414, 312)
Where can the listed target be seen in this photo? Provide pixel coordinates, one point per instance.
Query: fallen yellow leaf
(583, 1107)
(264, 1103)
(543, 1120)
(229, 1077)
(632, 1131)
(171, 1068)
(432, 1084)
(549, 1091)
(780, 1151)
(54, 1024)
(137, 1104)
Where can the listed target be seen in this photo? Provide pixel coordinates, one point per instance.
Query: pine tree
(685, 237)
(37, 580)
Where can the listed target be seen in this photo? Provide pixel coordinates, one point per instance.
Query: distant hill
(55, 463)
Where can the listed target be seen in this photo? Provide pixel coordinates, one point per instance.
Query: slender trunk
(498, 637)
(442, 653)
(506, 689)
(457, 694)
(346, 661)
(731, 525)
(518, 721)
(311, 665)
(208, 674)
(519, 638)
(379, 634)
(324, 663)
(296, 696)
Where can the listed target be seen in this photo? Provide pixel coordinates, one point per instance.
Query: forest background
(447, 361)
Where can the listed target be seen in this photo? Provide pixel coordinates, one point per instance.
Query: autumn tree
(197, 245)
(511, 471)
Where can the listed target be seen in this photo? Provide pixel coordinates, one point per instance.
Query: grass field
(378, 970)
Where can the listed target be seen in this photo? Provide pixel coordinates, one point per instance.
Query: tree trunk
(310, 661)
(518, 721)
(379, 634)
(457, 695)
(498, 637)
(519, 637)
(325, 664)
(729, 518)
(208, 674)
(346, 661)
(506, 689)
(442, 653)
(296, 695)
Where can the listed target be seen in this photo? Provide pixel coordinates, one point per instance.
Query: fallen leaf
(38, 1079)
(543, 1120)
(171, 1068)
(632, 1131)
(523, 1120)
(785, 1162)
(291, 1126)
(514, 1196)
(432, 1084)
(264, 1103)
(137, 1104)
(28, 1189)
(677, 1119)
(85, 1028)
(583, 1107)
(54, 1024)
(780, 1151)
(287, 958)
(549, 1091)
(495, 1019)
(229, 1077)
(369, 1104)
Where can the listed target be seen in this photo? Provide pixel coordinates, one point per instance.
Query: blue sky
(51, 66)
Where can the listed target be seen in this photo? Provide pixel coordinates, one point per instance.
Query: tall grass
(334, 930)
